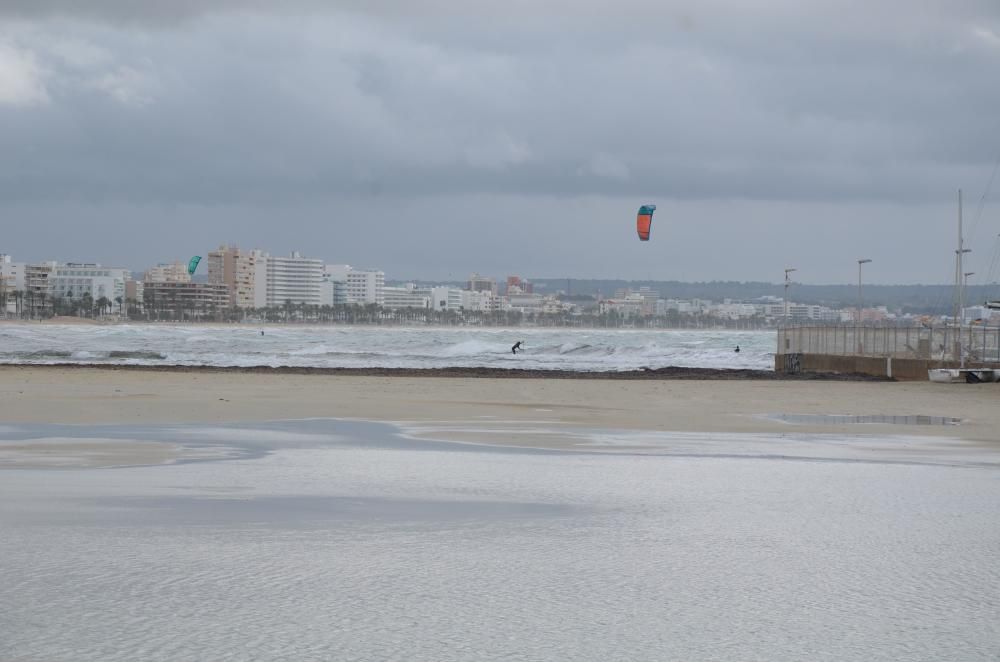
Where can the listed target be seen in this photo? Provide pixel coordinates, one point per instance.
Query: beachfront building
(294, 279)
(446, 298)
(480, 300)
(36, 297)
(240, 270)
(134, 290)
(176, 272)
(524, 302)
(733, 310)
(479, 283)
(11, 284)
(630, 305)
(365, 286)
(175, 300)
(79, 281)
(333, 285)
(408, 296)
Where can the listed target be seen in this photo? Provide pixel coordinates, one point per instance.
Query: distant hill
(917, 299)
(921, 299)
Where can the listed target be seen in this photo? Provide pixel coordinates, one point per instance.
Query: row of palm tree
(35, 305)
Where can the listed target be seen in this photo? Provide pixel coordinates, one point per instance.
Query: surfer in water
(516, 347)
(737, 350)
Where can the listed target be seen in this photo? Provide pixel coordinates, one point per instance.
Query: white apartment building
(524, 303)
(631, 305)
(176, 272)
(365, 286)
(446, 298)
(408, 296)
(733, 310)
(480, 300)
(75, 279)
(293, 278)
(11, 280)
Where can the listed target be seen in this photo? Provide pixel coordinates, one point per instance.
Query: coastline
(666, 373)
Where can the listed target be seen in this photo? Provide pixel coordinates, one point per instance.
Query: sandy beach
(470, 409)
(222, 514)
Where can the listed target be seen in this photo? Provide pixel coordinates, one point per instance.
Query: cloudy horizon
(432, 141)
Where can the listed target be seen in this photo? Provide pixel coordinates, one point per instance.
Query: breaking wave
(374, 347)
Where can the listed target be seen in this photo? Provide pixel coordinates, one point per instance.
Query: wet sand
(103, 396)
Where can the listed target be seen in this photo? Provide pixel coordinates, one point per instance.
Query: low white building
(73, 280)
(408, 296)
(447, 298)
(360, 286)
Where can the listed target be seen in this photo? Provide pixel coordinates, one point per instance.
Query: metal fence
(976, 344)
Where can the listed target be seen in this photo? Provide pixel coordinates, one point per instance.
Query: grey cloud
(230, 106)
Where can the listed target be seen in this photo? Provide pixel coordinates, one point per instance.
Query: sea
(384, 347)
(342, 540)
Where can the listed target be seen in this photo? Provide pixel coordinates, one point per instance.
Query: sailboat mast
(957, 310)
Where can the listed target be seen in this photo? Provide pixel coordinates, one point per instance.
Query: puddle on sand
(848, 419)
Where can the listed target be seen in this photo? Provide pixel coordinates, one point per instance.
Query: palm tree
(119, 301)
(87, 300)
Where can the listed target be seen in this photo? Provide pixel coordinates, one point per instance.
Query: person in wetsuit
(737, 350)
(516, 347)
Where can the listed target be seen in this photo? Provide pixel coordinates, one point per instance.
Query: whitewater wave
(375, 347)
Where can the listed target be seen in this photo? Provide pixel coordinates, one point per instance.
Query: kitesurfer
(516, 347)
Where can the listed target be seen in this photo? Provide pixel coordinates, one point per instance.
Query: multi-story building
(479, 283)
(134, 290)
(11, 282)
(294, 279)
(365, 286)
(185, 300)
(631, 305)
(37, 298)
(446, 298)
(481, 300)
(518, 285)
(333, 286)
(524, 302)
(176, 272)
(408, 296)
(74, 280)
(239, 270)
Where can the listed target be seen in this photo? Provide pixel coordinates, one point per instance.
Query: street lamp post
(788, 282)
(860, 299)
(857, 329)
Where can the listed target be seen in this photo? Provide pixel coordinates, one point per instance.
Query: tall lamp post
(860, 299)
(788, 282)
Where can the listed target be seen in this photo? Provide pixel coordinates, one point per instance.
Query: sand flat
(101, 396)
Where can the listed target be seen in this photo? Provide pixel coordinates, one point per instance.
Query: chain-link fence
(977, 344)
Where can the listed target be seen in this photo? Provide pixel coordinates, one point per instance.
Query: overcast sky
(514, 137)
